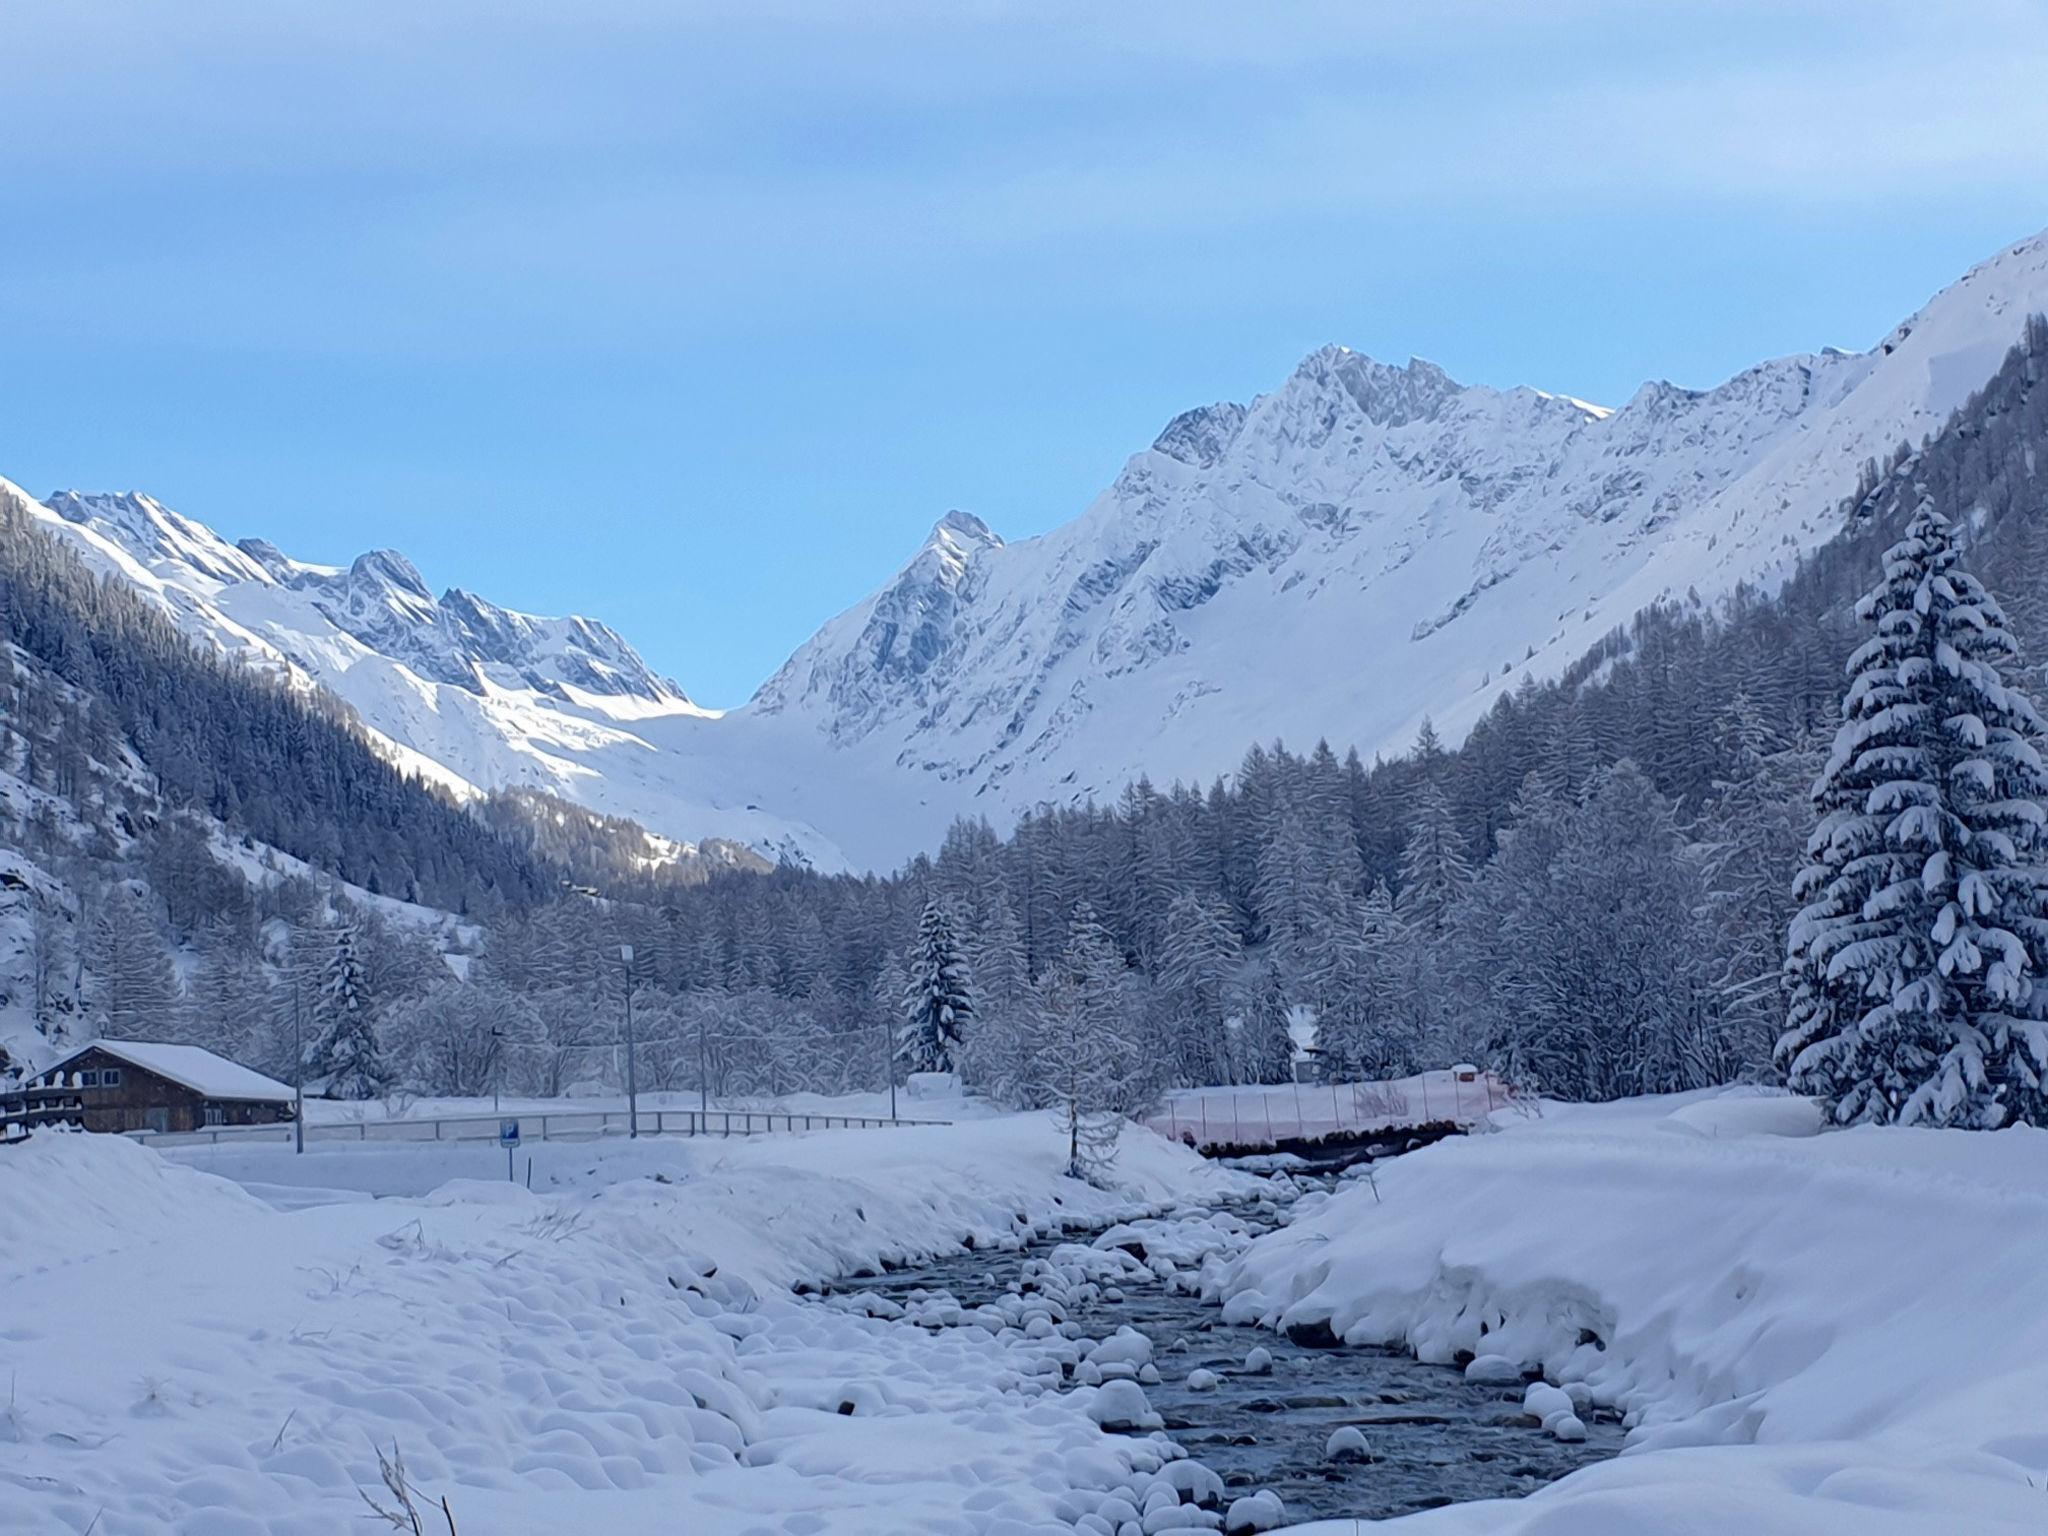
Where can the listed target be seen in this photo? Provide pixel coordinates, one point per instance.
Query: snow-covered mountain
(1365, 546)
(470, 695)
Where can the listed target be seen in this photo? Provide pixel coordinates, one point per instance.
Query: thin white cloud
(719, 154)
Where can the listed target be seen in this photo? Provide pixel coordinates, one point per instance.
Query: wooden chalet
(142, 1085)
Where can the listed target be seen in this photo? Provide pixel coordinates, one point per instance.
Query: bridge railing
(1255, 1115)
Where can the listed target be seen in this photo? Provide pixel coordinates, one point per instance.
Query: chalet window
(88, 1079)
(215, 1115)
(110, 1077)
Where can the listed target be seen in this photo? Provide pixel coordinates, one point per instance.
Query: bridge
(1305, 1117)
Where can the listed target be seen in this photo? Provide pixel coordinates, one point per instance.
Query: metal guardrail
(553, 1125)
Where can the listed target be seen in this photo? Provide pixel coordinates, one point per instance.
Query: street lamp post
(632, 1090)
(889, 1066)
(298, 1065)
(703, 1077)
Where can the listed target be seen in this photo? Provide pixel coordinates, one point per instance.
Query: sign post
(508, 1138)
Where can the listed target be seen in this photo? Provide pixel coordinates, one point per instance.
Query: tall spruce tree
(1198, 967)
(346, 1051)
(938, 998)
(1917, 958)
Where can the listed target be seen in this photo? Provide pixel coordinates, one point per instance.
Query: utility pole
(703, 1077)
(889, 1065)
(298, 1064)
(632, 1091)
(497, 1051)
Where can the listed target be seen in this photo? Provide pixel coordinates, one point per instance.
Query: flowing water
(1434, 1438)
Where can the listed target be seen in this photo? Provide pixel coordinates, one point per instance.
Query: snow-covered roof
(190, 1066)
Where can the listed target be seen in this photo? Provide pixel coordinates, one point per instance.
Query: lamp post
(703, 1077)
(889, 1065)
(298, 1065)
(632, 1091)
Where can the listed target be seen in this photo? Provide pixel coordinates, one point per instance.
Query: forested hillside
(282, 766)
(1591, 894)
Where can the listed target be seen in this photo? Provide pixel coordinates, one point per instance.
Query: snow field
(1808, 1334)
(619, 1352)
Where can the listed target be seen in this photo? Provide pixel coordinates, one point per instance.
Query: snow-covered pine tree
(1358, 1026)
(1265, 1034)
(938, 998)
(1000, 977)
(1753, 833)
(994, 1052)
(346, 1051)
(133, 992)
(1917, 959)
(229, 1005)
(1436, 877)
(1199, 959)
(1436, 865)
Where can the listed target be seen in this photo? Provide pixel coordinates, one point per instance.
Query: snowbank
(617, 1351)
(1811, 1334)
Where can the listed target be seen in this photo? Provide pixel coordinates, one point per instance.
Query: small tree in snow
(938, 998)
(346, 1051)
(1915, 964)
(1086, 1061)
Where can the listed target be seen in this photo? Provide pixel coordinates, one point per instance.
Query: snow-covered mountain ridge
(1367, 545)
(380, 601)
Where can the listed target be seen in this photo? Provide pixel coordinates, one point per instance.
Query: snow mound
(1863, 1313)
(618, 1349)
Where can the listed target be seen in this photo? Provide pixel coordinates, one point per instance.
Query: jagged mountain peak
(957, 538)
(1202, 436)
(379, 601)
(155, 535)
(1388, 394)
(388, 568)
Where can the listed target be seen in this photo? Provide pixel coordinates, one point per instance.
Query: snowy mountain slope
(1367, 545)
(467, 694)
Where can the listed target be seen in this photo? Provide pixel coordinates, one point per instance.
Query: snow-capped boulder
(1122, 1405)
(1261, 1511)
(1347, 1442)
(1493, 1368)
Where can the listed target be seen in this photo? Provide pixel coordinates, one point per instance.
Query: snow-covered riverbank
(1814, 1334)
(615, 1351)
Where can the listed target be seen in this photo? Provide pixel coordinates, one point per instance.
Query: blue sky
(694, 317)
